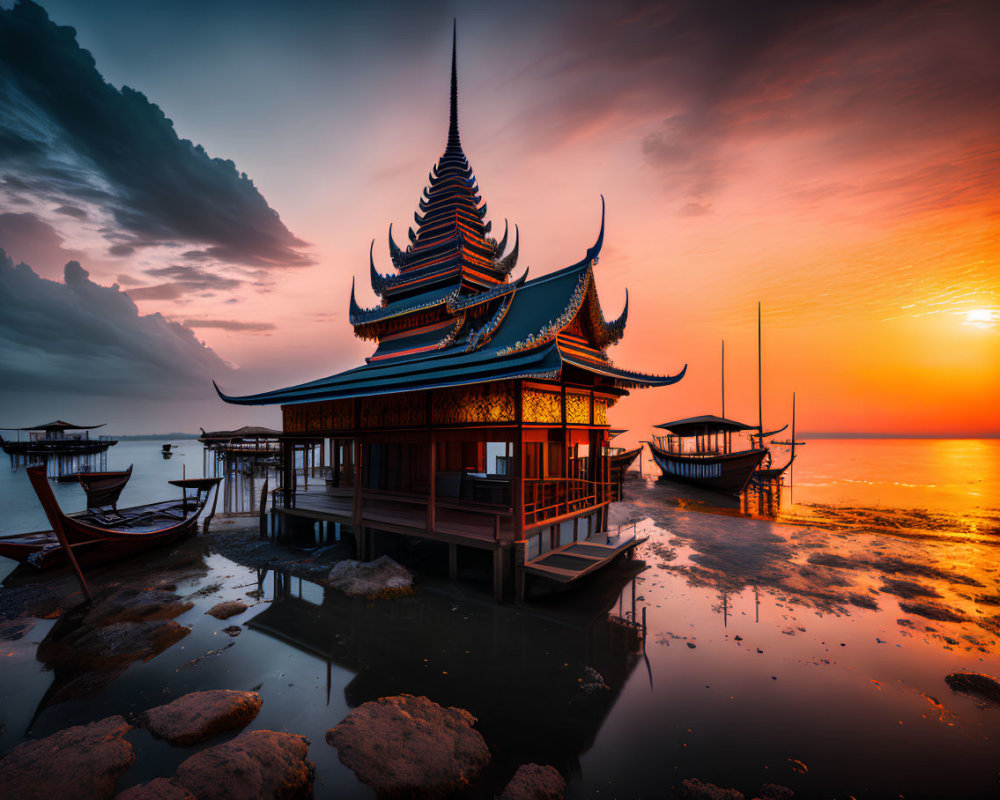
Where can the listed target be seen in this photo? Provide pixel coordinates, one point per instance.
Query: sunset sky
(837, 161)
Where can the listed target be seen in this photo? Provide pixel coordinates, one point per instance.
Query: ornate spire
(453, 140)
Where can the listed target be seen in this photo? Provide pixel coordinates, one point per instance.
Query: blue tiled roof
(536, 304)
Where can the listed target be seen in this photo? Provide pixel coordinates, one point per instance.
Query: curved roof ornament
(380, 282)
(616, 328)
(355, 309)
(508, 262)
(394, 251)
(503, 242)
(594, 252)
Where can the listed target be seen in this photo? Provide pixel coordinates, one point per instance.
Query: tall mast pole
(723, 378)
(760, 401)
(791, 471)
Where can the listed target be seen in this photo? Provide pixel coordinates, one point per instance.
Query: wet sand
(814, 658)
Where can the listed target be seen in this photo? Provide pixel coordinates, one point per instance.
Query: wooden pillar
(335, 460)
(519, 576)
(356, 518)
(517, 481)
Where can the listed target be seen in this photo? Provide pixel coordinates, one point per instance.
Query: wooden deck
(572, 561)
(473, 526)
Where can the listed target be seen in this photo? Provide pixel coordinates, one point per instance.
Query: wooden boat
(768, 473)
(104, 488)
(698, 451)
(105, 533)
(621, 459)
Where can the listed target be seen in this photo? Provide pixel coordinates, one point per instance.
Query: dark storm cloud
(72, 211)
(194, 277)
(64, 132)
(181, 281)
(867, 78)
(231, 325)
(83, 338)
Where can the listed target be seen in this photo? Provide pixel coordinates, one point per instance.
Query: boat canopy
(707, 423)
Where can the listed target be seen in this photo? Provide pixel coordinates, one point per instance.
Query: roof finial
(453, 127)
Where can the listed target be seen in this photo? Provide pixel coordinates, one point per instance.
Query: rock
(406, 745)
(976, 684)
(14, 629)
(257, 764)
(694, 788)
(595, 681)
(233, 630)
(535, 782)
(159, 789)
(81, 762)
(198, 716)
(908, 590)
(775, 791)
(383, 577)
(228, 609)
(931, 610)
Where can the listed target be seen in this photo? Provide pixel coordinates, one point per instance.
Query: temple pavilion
(481, 419)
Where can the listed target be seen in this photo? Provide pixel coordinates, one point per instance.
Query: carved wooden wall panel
(601, 406)
(577, 409)
(343, 415)
(539, 406)
(405, 410)
(308, 417)
(483, 403)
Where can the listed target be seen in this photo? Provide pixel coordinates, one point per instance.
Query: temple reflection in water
(540, 680)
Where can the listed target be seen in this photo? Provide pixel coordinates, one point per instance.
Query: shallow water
(948, 487)
(150, 473)
(773, 653)
(787, 681)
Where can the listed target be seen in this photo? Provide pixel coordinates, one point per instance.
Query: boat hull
(620, 462)
(98, 537)
(727, 472)
(43, 552)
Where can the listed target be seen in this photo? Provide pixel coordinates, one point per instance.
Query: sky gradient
(836, 161)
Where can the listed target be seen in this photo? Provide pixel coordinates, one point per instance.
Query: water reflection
(541, 681)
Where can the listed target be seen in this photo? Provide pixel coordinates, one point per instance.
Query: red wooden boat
(104, 488)
(105, 533)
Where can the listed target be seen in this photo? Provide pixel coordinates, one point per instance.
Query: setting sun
(982, 317)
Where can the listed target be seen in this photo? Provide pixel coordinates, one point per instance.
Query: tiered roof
(451, 315)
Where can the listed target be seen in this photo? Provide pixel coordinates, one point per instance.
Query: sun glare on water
(982, 317)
